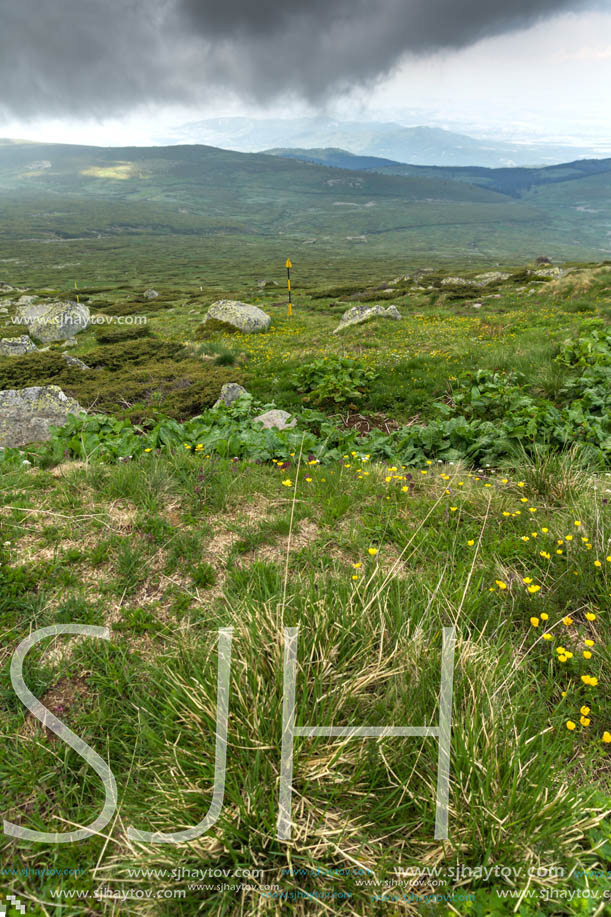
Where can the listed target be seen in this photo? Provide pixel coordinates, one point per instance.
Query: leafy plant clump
(485, 423)
(592, 350)
(334, 380)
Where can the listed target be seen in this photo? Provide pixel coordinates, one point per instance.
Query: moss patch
(214, 326)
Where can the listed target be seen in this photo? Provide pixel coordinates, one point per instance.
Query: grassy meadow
(450, 469)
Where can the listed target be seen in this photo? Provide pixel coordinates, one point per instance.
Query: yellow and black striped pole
(288, 267)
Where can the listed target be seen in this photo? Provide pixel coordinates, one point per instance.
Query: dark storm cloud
(104, 56)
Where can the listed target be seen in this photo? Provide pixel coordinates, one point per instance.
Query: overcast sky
(129, 71)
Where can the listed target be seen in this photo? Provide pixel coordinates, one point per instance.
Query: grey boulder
(237, 316)
(53, 321)
(151, 294)
(230, 392)
(359, 314)
(27, 414)
(15, 347)
(276, 420)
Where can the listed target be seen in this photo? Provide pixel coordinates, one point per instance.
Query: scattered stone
(230, 392)
(27, 414)
(458, 282)
(69, 343)
(6, 288)
(237, 316)
(543, 259)
(54, 321)
(278, 420)
(26, 300)
(477, 305)
(15, 347)
(151, 294)
(548, 272)
(492, 277)
(358, 314)
(423, 270)
(74, 361)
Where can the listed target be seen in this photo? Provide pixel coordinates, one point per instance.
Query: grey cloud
(104, 56)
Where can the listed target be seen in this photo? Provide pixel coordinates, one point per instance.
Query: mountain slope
(219, 189)
(514, 182)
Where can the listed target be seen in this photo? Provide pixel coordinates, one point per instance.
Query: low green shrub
(132, 379)
(134, 353)
(333, 380)
(114, 335)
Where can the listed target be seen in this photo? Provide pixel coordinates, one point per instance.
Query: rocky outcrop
(27, 414)
(489, 277)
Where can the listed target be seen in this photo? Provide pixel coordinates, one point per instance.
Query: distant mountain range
(430, 146)
(514, 182)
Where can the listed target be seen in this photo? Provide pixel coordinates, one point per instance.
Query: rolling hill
(193, 208)
(515, 182)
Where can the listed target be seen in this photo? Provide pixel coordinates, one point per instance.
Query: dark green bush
(130, 379)
(114, 335)
(48, 368)
(134, 353)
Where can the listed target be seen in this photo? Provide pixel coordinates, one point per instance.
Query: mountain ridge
(422, 144)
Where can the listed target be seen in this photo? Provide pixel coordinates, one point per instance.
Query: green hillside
(185, 211)
(511, 181)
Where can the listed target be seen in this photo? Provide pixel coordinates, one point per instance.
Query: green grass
(169, 546)
(526, 792)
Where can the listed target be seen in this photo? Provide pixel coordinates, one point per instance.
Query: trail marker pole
(76, 288)
(288, 267)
